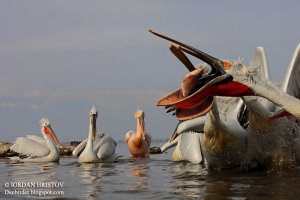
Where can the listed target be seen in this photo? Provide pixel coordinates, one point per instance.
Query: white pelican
(37, 149)
(103, 150)
(223, 138)
(219, 138)
(246, 82)
(139, 143)
(187, 139)
(277, 130)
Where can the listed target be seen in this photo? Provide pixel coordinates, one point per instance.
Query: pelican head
(47, 130)
(139, 114)
(198, 101)
(94, 111)
(181, 98)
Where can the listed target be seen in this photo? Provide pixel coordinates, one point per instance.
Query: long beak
(174, 134)
(49, 131)
(182, 57)
(169, 144)
(215, 63)
(94, 125)
(142, 124)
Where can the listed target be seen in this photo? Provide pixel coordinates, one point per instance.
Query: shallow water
(153, 178)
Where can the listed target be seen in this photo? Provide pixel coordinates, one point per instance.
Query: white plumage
(97, 147)
(37, 149)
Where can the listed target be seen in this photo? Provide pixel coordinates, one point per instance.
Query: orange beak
(48, 130)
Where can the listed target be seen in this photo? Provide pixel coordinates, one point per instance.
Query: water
(153, 178)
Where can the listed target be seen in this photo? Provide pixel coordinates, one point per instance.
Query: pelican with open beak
(239, 80)
(247, 81)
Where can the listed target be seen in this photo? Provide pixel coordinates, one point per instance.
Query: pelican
(266, 127)
(100, 150)
(37, 149)
(187, 139)
(220, 137)
(139, 143)
(217, 139)
(246, 82)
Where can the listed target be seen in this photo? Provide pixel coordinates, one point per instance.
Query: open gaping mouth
(200, 100)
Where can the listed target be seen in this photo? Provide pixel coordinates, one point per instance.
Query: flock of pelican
(230, 114)
(97, 147)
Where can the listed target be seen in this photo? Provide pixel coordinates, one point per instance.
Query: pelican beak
(190, 107)
(49, 131)
(174, 134)
(94, 124)
(172, 141)
(216, 64)
(216, 83)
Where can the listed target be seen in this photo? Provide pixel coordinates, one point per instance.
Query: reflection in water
(153, 178)
(90, 178)
(138, 176)
(188, 179)
(33, 172)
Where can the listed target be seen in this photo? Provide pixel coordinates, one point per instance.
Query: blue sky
(58, 58)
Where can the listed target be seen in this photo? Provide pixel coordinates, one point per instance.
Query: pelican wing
(291, 82)
(29, 147)
(105, 148)
(260, 60)
(79, 148)
(36, 139)
(196, 125)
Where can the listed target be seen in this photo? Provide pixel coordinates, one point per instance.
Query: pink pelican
(139, 143)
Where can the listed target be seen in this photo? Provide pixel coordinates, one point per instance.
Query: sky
(60, 57)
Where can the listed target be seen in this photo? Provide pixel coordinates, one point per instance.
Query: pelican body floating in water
(96, 148)
(139, 143)
(33, 148)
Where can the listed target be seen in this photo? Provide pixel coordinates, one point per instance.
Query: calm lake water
(154, 178)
